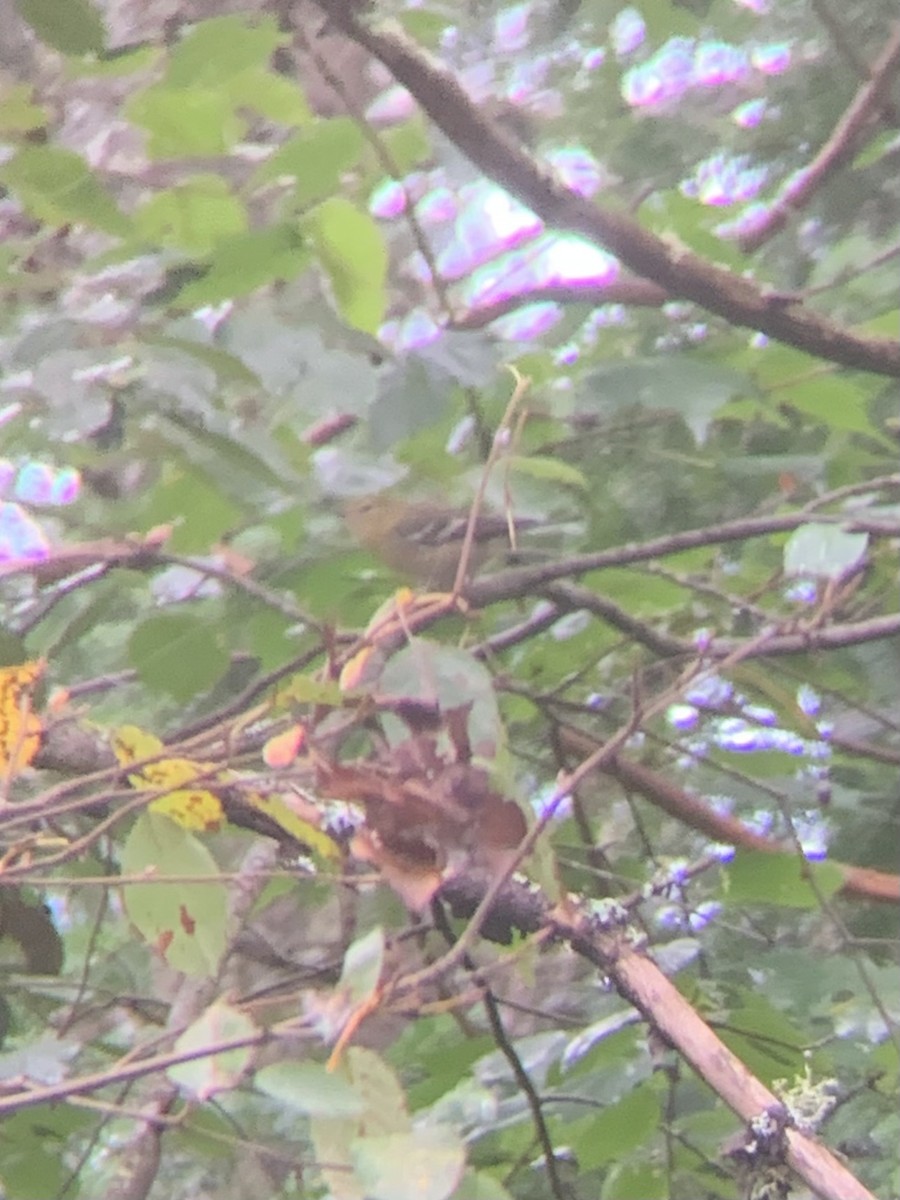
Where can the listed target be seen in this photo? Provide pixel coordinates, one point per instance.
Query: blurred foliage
(192, 288)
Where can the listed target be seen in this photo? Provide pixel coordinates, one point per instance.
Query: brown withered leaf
(429, 815)
(411, 878)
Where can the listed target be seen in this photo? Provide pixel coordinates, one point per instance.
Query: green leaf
(881, 145)
(551, 470)
(438, 1073)
(70, 26)
(613, 1132)
(316, 158)
(769, 1045)
(186, 923)
(271, 95)
(633, 1182)
(363, 964)
(186, 121)
(268, 635)
(351, 250)
(408, 144)
(30, 1149)
(180, 655)
(428, 28)
(18, 112)
(194, 216)
(425, 1164)
(310, 1088)
(304, 689)
(245, 262)
(690, 385)
(220, 1072)
(640, 594)
(228, 367)
(57, 186)
(834, 400)
(379, 1087)
(217, 49)
(754, 877)
(675, 216)
(478, 1185)
(824, 551)
(195, 506)
(384, 1113)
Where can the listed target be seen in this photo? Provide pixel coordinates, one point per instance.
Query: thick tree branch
(737, 299)
(640, 981)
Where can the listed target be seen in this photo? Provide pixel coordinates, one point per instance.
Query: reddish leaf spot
(188, 924)
(164, 941)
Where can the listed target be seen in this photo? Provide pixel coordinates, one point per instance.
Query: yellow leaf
(386, 614)
(192, 808)
(20, 726)
(320, 843)
(129, 743)
(354, 672)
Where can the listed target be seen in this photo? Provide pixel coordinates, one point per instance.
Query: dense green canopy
(578, 879)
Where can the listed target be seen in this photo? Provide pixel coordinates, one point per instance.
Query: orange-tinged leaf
(414, 882)
(354, 670)
(283, 748)
(20, 726)
(787, 483)
(390, 612)
(58, 700)
(157, 536)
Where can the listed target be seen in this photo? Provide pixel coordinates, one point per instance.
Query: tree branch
(862, 883)
(839, 148)
(640, 981)
(739, 300)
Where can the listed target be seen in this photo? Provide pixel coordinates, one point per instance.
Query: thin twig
(839, 149)
(388, 164)
(843, 42)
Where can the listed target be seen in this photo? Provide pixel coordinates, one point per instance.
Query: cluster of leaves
(257, 903)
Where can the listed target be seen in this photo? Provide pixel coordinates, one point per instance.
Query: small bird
(423, 540)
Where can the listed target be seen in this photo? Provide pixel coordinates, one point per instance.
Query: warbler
(423, 540)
